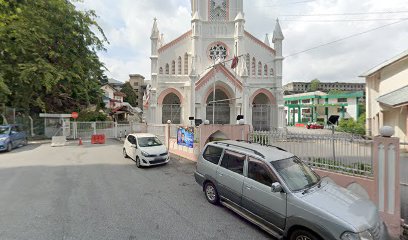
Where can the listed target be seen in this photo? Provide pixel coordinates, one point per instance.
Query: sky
(305, 24)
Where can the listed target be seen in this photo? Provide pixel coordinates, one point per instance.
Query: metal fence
(85, 130)
(404, 186)
(339, 153)
(159, 130)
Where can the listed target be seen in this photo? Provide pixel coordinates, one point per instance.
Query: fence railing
(85, 130)
(339, 153)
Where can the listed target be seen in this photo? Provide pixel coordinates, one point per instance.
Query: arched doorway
(221, 110)
(261, 113)
(171, 108)
(217, 136)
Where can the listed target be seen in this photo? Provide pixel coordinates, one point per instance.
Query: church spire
(196, 16)
(267, 40)
(277, 33)
(155, 30)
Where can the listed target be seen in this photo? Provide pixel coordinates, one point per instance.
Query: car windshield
(296, 174)
(149, 142)
(4, 130)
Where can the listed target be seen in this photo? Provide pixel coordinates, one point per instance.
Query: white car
(145, 149)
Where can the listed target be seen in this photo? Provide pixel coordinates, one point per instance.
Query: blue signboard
(185, 137)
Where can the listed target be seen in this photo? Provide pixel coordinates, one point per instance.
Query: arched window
(161, 70)
(271, 73)
(266, 70)
(173, 67)
(167, 69)
(179, 66)
(248, 62)
(253, 70)
(186, 64)
(259, 69)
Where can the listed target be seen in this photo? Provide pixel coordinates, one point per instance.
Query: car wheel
(124, 153)
(25, 142)
(211, 193)
(9, 147)
(301, 234)
(138, 162)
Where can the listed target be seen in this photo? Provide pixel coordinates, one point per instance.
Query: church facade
(193, 75)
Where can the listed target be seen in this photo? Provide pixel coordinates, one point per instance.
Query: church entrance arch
(220, 110)
(261, 112)
(171, 108)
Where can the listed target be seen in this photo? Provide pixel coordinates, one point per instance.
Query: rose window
(218, 51)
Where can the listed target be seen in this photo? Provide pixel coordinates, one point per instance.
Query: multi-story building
(112, 97)
(301, 87)
(138, 84)
(387, 97)
(319, 106)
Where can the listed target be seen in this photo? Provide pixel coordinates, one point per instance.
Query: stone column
(386, 173)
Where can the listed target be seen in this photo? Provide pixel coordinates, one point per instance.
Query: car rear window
(212, 154)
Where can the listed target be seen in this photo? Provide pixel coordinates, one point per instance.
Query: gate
(171, 112)
(85, 130)
(261, 117)
(159, 130)
(222, 113)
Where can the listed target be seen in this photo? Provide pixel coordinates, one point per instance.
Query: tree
(314, 85)
(49, 56)
(131, 96)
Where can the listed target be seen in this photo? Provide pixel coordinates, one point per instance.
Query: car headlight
(3, 139)
(145, 154)
(366, 235)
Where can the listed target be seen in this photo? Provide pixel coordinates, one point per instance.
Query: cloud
(127, 25)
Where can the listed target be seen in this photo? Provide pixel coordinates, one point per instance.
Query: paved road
(91, 192)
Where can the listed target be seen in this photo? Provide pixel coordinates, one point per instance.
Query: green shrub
(352, 126)
(86, 116)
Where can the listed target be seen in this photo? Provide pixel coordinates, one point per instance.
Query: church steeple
(155, 30)
(155, 44)
(277, 33)
(266, 41)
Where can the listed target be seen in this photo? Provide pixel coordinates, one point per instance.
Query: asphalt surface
(92, 192)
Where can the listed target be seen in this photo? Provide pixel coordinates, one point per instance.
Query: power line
(342, 20)
(344, 38)
(341, 14)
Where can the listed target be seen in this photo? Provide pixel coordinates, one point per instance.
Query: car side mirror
(276, 187)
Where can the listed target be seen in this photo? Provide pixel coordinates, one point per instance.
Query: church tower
(154, 38)
(217, 70)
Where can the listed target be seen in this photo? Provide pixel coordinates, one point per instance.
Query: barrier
(58, 141)
(98, 139)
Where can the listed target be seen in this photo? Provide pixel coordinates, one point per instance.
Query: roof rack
(240, 140)
(230, 144)
(279, 148)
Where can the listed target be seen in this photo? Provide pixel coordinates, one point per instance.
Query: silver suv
(275, 190)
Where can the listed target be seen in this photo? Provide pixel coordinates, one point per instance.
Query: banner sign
(185, 137)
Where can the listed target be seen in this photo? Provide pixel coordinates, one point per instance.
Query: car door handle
(248, 187)
(220, 174)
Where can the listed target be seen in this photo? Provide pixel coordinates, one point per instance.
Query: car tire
(124, 153)
(301, 234)
(25, 142)
(138, 162)
(9, 147)
(211, 193)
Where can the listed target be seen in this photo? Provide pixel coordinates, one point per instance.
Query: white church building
(193, 72)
